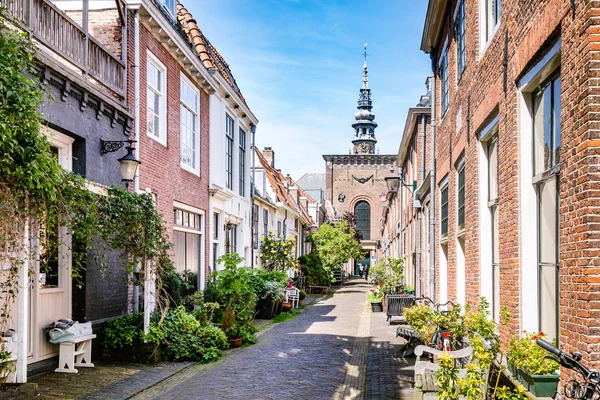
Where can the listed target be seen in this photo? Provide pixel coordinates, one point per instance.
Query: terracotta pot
(300, 302)
(234, 343)
(286, 307)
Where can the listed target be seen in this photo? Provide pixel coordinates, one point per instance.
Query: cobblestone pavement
(325, 353)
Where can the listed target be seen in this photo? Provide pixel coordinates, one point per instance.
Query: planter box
(513, 370)
(539, 385)
(278, 307)
(265, 309)
(137, 353)
(376, 307)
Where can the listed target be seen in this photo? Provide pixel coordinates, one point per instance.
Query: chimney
(269, 156)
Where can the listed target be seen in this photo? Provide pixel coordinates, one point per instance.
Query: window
(156, 100)
(284, 230)
(216, 226)
(255, 225)
(242, 162)
(443, 70)
(229, 151)
(461, 196)
(279, 228)
(362, 210)
(190, 126)
(459, 28)
(265, 222)
(187, 244)
(492, 202)
(444, 210)
(492, 11)
(546, 143)
(231, 238)
(169, 5)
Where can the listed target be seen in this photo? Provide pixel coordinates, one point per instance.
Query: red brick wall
(160, 166)
(531, 27)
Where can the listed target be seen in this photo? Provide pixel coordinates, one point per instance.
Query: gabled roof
(208, 54)
(277, 182)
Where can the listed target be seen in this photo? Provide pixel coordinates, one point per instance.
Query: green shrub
(211, 336)
(123, 331)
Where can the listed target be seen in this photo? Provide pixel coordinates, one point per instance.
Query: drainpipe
(136, 130)
(252, 193)
(432, 193)
(419, 211)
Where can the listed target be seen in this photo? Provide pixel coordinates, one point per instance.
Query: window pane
(192, 244)
(497, 11)
(495, 237)
(362, 210)
(547, 221)
(556, 119)
(216, 227)
(493, 169)
(444, 209)
(540, 152)
(548, 300)
(461, 197)
(179, 250)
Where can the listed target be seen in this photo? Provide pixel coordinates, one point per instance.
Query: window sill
(162, 141)
(461, 231)
(51, 290)
(444, 239)
(492, 36)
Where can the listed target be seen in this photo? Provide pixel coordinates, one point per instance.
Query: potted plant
(301, 297)
(285, 307)
(536, 370)
(234, 336)
(230, 327)
(375, 297)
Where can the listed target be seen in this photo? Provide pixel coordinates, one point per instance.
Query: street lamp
(129, 164)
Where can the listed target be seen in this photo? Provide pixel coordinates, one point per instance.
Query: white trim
(188, 208)
(63, 143)
(162, 129)
(488, 130)
(542, 69)
(184, 80)
(483, 28)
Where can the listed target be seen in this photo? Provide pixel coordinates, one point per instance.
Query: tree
(336, 244)
(352, 221)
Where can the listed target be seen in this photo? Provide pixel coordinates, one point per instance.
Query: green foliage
(228, 325)
(335, 244)
(506, 393)
(211, 336)
(123, 331)
(446, 378)
(388, 275)
(419, 317)
(524, 353)
(277, 253)
(268, 285)
(374, 295)
(286, 316)
(302, 295)
(316, 273)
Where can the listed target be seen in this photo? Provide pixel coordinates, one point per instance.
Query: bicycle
(586, 389)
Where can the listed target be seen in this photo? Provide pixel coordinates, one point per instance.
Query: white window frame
(528, 199)
(229, 158)
(486, 31)
(185, 81)
(443, 60)
(462, 40)
(172, 8)
(185, 207)
(162, 129)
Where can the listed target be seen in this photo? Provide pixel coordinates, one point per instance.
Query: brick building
(406, 224)
(516, 161)
(356, 182)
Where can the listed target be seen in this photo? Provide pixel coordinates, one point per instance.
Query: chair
(395, 304)
(292, 295)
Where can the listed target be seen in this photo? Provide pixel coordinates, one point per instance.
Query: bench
(395, 303)
(413, 340)
(76, 352)
(425, 386)
(339, 277)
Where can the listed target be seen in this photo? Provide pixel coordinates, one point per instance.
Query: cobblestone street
(325, 353)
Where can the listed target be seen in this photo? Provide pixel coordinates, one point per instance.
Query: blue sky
(299, 66)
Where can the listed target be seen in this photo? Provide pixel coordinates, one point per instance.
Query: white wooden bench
(76, 352)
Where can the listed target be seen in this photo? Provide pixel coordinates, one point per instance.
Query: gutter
(432, 193)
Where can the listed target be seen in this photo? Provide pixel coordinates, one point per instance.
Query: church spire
(364, 126)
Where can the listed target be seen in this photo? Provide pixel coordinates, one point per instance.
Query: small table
(76, 352)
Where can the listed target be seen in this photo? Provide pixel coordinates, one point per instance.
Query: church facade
(356, 182)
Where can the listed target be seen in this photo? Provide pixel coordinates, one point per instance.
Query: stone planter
(278, 307)
(539, 385)
(377, 307)
(137, 353)
(265, 309)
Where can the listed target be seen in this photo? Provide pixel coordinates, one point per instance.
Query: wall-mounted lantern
(129, 164)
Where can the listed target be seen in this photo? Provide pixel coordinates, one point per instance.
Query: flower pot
(286, 307)
(539, 385)
(300, 302)
(235, 343)
(377, 307)
(265, 309)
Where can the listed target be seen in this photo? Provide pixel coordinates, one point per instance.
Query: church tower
(364, 126)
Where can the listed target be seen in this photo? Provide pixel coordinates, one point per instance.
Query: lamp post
(129, 164)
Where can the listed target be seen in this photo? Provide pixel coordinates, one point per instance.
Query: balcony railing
(55, 30)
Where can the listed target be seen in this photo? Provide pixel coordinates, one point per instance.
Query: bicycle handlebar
(566, 360)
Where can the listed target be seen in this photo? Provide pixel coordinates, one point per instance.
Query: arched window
(362, 210)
